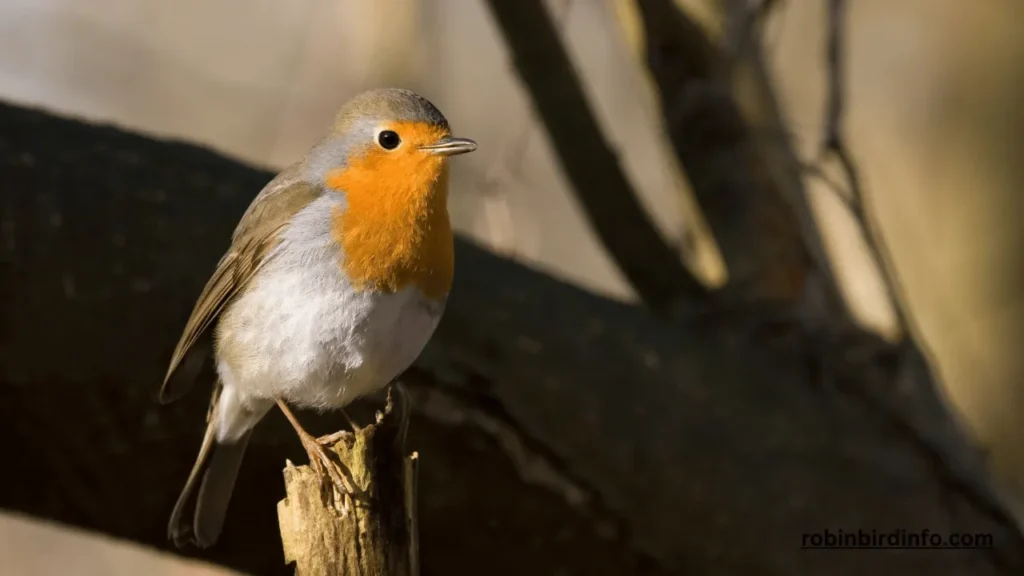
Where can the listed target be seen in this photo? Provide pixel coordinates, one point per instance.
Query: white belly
(301, 332)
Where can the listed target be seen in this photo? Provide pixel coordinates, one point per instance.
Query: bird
(335, 278)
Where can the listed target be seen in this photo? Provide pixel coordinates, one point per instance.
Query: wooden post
(326, 533)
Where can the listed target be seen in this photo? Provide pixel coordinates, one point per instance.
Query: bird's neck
(395, 230)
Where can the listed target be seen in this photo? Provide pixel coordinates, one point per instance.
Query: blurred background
(934, 119)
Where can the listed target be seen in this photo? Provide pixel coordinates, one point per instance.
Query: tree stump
(325, 532)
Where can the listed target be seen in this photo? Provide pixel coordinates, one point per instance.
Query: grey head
(394, 104)
(360, 123)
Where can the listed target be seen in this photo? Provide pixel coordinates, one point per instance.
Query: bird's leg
(319, 459)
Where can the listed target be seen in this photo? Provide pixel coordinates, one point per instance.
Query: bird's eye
(388, 140)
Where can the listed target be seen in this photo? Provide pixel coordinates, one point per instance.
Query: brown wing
(254, 237)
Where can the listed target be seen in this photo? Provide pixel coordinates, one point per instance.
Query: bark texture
(324, 532)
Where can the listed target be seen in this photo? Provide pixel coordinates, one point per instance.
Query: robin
(336, 277)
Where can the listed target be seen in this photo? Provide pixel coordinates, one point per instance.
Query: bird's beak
(449, 146)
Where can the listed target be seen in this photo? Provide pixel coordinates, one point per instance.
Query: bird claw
(332, 439)
(319, 459)
(321, 463)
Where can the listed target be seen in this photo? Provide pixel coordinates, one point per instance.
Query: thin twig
(815, 171)
(834, 144)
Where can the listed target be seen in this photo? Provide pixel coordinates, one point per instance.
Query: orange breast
(395, 231)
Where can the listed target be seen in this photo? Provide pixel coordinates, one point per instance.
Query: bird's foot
(331, 439)
(322, 463)
(319, 458)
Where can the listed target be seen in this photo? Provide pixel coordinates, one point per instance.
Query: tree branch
(747, 212)
(622, 225)
(754, 91)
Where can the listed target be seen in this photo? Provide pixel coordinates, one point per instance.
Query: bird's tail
(198, 515)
